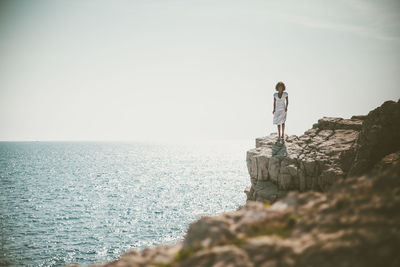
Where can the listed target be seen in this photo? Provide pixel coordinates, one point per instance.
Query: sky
(181, 70)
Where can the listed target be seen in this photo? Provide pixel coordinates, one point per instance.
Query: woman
(280, 108)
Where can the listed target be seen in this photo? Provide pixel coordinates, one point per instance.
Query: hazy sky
(147, 70)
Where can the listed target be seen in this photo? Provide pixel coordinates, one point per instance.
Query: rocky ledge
(349, 217)
(332, 149)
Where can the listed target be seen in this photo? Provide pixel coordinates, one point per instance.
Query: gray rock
(312, 161)
(333, 148)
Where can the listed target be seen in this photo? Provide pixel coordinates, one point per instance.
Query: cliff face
(315, 160)
(339, 220)
(379, 136)
(332, 149)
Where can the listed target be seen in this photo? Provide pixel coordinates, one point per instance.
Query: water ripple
(64, 202)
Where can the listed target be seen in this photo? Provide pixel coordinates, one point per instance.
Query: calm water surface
(86, 202)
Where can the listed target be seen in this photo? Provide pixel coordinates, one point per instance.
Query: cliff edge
(336, 202)
(332, 149)
(313, 161)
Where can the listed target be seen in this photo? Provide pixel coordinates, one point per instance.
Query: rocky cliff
(332, 149)
(333, 200)
(312, 161)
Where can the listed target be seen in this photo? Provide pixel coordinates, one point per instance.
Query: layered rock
(332, 149)
(314, 160)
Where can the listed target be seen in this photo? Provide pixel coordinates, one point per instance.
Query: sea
(64, 202)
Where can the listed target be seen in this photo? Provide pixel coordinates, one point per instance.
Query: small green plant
(342, 202)
(239, 241)
(291, 219)
(282, 228)
(267, 204)
(160, 264)
(183, 253)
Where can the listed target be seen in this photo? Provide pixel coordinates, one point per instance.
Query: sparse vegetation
(342, 202)
(240, 241)
(161, 265)
(184, 253)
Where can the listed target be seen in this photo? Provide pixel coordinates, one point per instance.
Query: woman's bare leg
(283, 130)
(279, 131)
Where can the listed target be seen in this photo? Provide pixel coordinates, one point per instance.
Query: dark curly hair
(280, 84)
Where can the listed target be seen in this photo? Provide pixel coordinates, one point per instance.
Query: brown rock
(208, 231)
(380, 135)
(220, 256)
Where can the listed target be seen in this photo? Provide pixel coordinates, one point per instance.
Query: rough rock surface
(340, 219)
(314, 160)
(380, 135)
(332, 149)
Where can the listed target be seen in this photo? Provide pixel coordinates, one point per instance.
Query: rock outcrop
(380, 135)
(321, 215)
(332, 149)
(312, 161)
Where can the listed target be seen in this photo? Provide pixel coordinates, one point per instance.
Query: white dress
(280, 113)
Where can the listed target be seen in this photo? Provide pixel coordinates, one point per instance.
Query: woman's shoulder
(285, 93)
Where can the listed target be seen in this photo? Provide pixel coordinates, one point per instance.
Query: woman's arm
(274, 105)
(287, 102)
